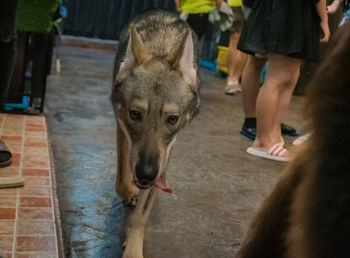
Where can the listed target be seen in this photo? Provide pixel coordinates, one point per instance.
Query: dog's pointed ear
(184, 60)
(139, 50)
(136, 51)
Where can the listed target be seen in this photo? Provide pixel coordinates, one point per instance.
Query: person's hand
(218, 5)
(325, 31)
(332, 8)
(178, 5)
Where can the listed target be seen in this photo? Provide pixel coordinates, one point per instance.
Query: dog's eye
(135, 115)
(172, 119)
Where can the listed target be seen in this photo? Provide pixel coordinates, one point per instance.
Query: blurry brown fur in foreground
(308, 213)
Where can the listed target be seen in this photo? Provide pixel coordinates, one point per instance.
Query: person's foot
(232, 89)
(275, 152)
(288, 130)
(250, 132)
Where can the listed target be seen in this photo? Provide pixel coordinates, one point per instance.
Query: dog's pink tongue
(161, 184)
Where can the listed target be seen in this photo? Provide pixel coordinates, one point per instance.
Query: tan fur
(141, 53)
(175, 58)
(125, 186)
(136, 228)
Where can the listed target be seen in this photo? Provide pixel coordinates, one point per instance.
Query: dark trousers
(41, 55)
(199, 23)
(7, 45)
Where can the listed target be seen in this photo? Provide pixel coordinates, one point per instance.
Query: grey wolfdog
(155, 94)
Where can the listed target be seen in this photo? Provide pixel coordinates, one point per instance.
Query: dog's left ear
(136, 51)
(184, 61)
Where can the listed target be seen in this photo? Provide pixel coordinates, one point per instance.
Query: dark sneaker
(288, 130)
(249, 132)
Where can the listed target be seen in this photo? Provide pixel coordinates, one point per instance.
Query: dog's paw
(130, 202)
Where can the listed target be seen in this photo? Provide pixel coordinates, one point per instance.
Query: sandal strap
(277, 150)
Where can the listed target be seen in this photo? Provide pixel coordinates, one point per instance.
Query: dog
(307, 215)
(155, 94)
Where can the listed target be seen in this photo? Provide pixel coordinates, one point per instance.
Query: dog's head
(154, 98)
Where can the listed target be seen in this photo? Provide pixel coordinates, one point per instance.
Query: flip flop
(232, 89)
(274, 153)
(301, 139)
(5, 155)
(11, 181)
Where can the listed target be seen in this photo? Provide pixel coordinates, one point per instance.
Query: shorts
(238, 19)
(199, 23)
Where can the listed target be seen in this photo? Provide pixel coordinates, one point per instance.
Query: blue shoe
(249, 132)
(288, 130)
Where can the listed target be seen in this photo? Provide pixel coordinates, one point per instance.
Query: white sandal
(300, 140)
(276, 152)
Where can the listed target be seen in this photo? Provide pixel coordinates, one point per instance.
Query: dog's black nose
(146, 173)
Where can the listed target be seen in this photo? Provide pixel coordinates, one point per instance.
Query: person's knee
(282, 80)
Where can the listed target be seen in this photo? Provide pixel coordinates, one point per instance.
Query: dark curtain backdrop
(105, 19)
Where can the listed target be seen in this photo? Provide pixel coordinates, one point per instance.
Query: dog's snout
(147, 169)
(146, 173)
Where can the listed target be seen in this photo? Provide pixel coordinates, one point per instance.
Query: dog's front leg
(125, 186)
(136, 228)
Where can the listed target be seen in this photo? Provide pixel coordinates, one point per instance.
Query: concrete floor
(217, 186)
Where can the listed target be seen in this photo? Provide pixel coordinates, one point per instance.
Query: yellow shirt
(197, 6)
(235, 3)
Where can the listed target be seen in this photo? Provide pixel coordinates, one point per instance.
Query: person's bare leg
(236, 61)
(251, 85)
(280, 72)
(284, 101)
(231, 59)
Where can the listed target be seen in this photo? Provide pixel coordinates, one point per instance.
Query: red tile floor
(27, 214)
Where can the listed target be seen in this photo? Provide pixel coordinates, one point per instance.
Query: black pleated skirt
(285, 27)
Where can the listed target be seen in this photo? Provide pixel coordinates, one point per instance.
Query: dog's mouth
(160, 183)
(140, 184)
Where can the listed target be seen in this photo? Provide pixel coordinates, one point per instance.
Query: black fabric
(288, 27)
(249, 3)
(199, 23)
(7, 45)
(7, 63)
(41, 55)
(7, 19)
